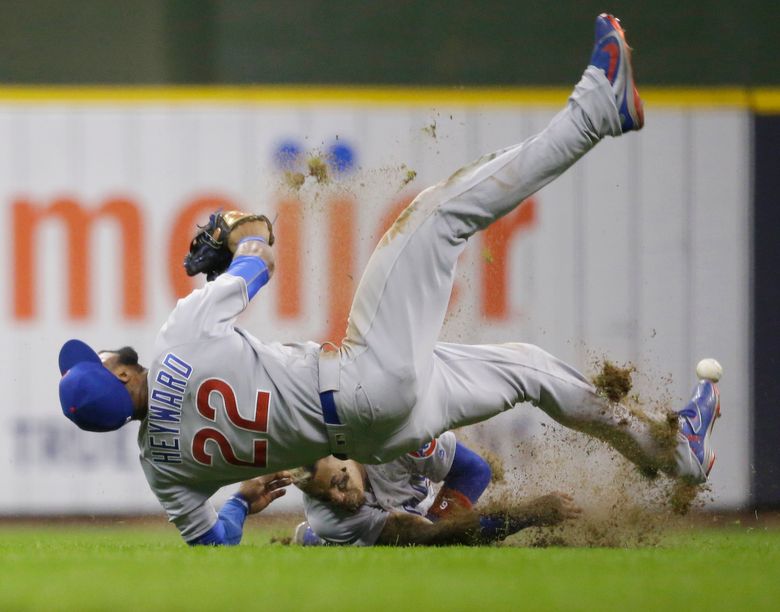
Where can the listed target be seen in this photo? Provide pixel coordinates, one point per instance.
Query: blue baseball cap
(90, 395)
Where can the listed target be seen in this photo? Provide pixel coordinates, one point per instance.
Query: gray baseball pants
(400, 387)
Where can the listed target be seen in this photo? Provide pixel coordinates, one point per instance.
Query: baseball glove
(209, 253)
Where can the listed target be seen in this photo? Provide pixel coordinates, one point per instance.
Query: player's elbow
(469, 474)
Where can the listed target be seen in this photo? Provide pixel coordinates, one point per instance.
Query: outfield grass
(140, 568)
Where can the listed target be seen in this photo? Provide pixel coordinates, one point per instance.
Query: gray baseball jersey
(224, 407)
(402, 485)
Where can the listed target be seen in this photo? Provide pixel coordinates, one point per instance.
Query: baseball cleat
(612, 54)
(697, 420)
(305, 536)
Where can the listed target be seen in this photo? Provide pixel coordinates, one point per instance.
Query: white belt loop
(329, 367)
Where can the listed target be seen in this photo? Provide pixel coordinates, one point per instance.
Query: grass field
(131, 567)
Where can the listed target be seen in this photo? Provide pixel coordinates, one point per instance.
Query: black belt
(330, 415)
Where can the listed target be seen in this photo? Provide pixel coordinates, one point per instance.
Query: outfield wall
(766, 305)
(641, 252)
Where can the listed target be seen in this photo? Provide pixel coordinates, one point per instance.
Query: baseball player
(395, 503)
(217, 406)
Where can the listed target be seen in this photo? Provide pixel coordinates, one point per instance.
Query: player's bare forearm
(404, 529)
(549, 509)
(471, 528)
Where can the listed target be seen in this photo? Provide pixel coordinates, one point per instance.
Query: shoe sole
(633, 102)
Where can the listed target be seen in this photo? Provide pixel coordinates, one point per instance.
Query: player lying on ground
(218, 406)
(395, 503)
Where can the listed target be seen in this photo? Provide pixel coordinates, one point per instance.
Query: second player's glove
(209, 253)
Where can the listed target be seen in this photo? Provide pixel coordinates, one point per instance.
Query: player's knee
(530, 355)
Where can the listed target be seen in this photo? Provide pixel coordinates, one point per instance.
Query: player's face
(339, 483)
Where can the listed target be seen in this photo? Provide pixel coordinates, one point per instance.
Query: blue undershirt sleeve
(229, 526)
(470, 474)
(253, 270)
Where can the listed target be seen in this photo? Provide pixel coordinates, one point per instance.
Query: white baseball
(709, 369)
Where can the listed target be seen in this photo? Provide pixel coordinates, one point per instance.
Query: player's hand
(553, 508)
(212, 249)
(261, 491)
(260, 227)
(263, 228)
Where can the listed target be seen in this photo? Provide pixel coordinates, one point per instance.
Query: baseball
(709, 369)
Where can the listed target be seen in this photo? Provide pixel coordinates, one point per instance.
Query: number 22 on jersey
(258, 423)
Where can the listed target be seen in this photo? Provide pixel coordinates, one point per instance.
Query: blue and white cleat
(305, 536)
(698, 417)
(612, 54)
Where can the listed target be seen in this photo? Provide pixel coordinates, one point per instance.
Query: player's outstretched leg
(604, 103)
(402, 298)
(472, 383)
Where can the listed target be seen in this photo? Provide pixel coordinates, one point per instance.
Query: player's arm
(253, 496)
(466, 479)
(404, 529)
(472, 528)
(253, 257)
(499, 522)
(234, 251)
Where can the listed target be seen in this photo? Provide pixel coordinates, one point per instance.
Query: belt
(339, 435)
(329, 414)
(336, 438)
